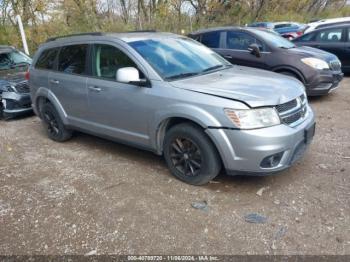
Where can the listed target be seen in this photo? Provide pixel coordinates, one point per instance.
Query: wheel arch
(43, 96)
(292, 70)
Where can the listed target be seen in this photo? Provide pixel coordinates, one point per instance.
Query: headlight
(253, 118)
(315, 63)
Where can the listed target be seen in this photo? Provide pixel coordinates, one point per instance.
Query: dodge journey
(171, 95)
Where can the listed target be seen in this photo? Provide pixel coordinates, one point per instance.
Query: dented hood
(252, 86)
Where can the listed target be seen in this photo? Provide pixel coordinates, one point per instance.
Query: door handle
(95, 88)
(54, 81)
(228, 56)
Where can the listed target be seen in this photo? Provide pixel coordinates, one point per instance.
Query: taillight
(27, 75)
(300, 33)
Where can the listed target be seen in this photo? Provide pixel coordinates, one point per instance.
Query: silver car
(171, 95)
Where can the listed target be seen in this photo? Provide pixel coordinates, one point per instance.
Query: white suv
(325, 22)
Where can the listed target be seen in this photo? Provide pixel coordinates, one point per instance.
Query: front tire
(190, 154)
(53, 124)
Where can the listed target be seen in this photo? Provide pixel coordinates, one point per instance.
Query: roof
(124, 36)
(244, 28)
(6, 49)
(330, 20)
(346, 24)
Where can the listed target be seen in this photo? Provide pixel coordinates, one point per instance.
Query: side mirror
(254, 49)
(130, 75)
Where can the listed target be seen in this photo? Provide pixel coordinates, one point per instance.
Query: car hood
(253, 87)
(306, 51)
(12, 76)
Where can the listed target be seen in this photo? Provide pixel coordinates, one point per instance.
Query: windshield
(18, 57)
(175, 58)
(11, 60)
(274, 39)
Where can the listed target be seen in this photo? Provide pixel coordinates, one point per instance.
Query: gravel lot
(92, 195)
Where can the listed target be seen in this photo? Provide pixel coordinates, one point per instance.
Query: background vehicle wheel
(190, 155)
(54, 126)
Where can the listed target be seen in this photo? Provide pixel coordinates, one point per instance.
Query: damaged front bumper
(15, 104)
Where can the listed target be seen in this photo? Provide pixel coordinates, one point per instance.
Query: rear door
(68, 83)
(235, 49)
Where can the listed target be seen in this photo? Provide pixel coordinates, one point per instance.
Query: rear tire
(190, 155)
(53, 124)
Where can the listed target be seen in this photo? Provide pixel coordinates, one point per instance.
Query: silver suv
(173, 96)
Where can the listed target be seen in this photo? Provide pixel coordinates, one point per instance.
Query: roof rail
(96, 34)
(142, 31)
(81, 34)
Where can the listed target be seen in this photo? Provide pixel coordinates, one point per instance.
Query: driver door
(236, 50)
(117, 109)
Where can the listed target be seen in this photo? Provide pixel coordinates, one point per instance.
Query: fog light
(271, 161)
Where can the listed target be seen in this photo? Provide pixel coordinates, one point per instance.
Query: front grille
(292, 112)
(335, 65)
(292, 118)
(22, 87)
(286, 106)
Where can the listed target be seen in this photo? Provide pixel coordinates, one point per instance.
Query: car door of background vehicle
(332, 40)
(117, 109)
(346, 58)
(68, 82)
(235, 49)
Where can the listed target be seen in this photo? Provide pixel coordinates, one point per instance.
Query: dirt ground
(92, 195)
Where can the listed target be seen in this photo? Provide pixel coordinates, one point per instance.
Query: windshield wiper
(182, 75)
(212, 68)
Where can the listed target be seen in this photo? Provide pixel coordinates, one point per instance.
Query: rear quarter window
(47, 59)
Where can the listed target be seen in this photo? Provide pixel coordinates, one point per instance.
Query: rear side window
(211, 39)
(72, 59)
(240, 41)
(47, 59)
(330, 35)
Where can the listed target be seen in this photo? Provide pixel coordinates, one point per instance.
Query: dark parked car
(319, 71)
(14, 89)
(266, 25)
(333, 39)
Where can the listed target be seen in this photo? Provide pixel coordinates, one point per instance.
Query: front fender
(190, 112)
